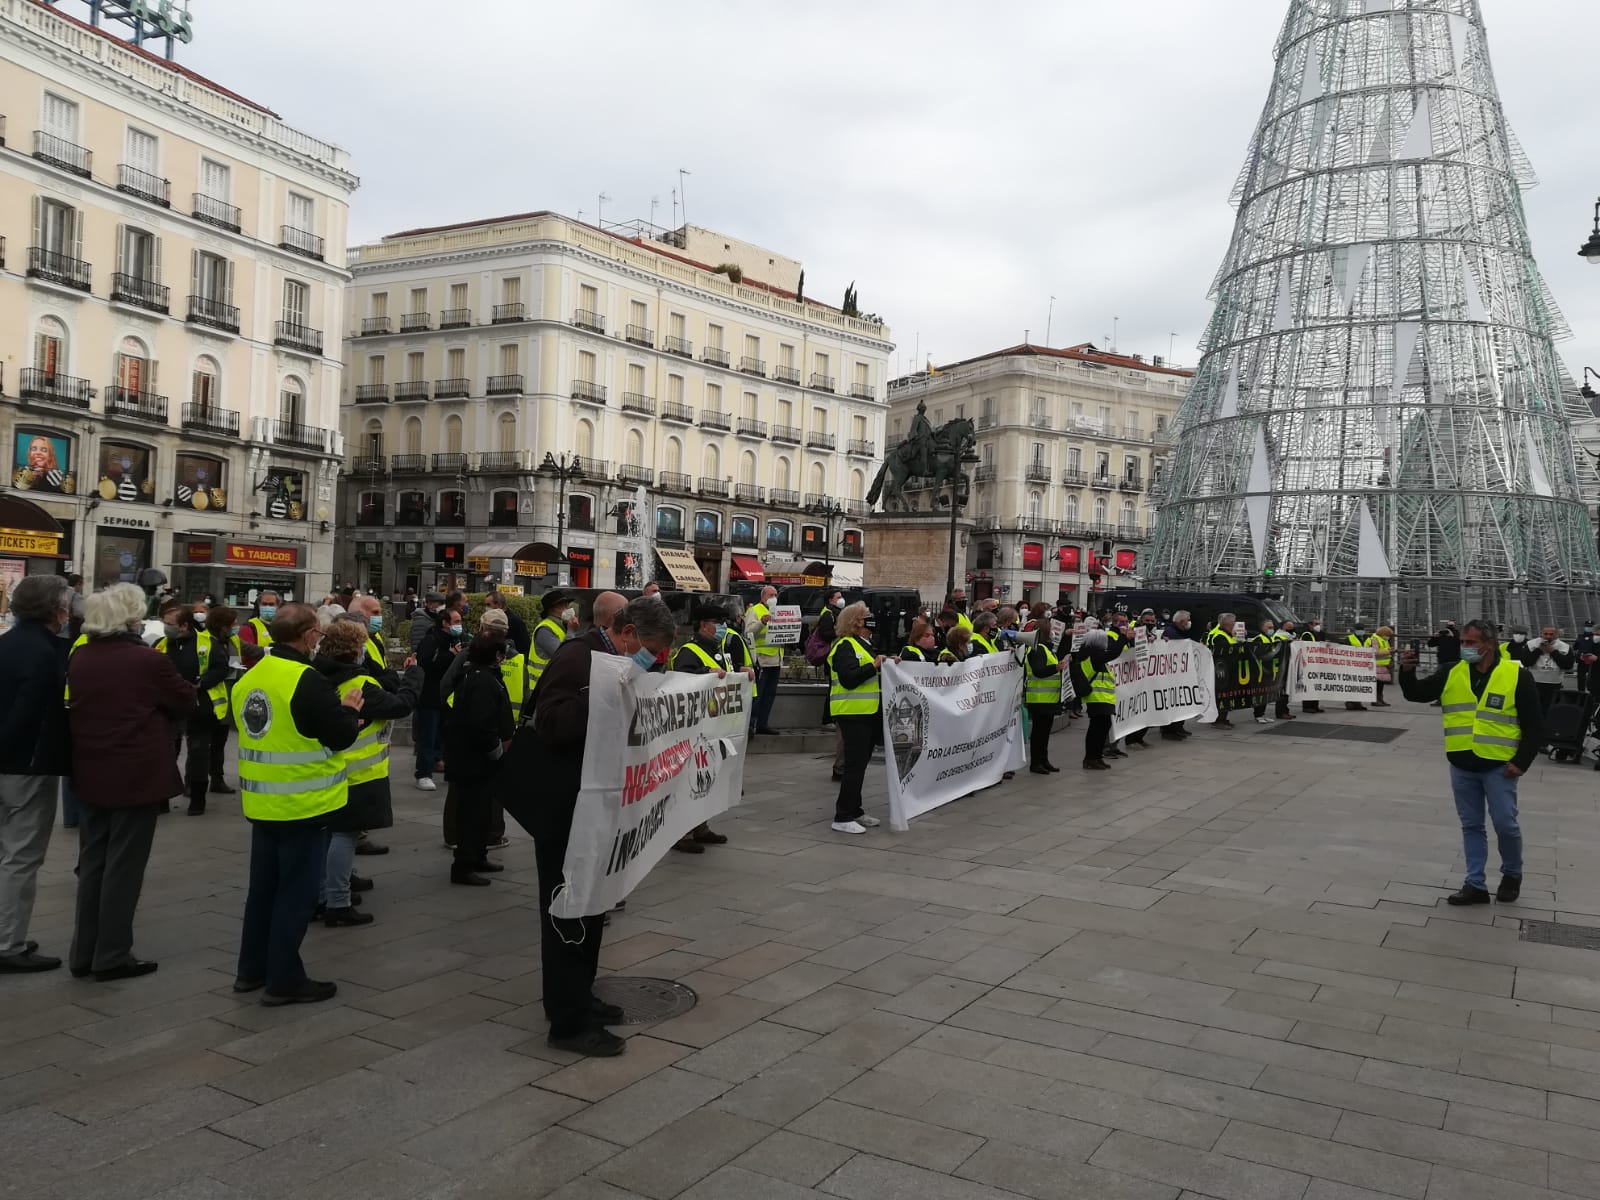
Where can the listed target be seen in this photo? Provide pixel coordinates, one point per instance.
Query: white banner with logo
(667, 752)
(1162, 682)
(783, 627)
(1332, 671)
(949, 730)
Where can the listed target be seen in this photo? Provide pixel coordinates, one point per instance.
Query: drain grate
(1335, 733)
(643, 1000)
(1554, 933)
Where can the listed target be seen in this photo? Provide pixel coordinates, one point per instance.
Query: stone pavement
(1227, 971)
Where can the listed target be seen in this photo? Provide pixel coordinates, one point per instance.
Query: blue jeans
(341, 861)
(1473, 791)
(286, 869)
(767, 685)
(71, 810)
(427, 731)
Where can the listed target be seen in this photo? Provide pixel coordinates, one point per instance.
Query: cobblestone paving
(1223, 970)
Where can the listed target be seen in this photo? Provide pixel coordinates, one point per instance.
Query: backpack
(816, 648)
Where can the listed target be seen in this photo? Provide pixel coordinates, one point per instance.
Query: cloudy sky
(960, 163)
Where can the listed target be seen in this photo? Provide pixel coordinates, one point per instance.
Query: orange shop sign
(244, 554)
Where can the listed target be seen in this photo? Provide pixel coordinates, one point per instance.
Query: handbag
(816, 649)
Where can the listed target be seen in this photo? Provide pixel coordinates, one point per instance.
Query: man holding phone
(1493, 729)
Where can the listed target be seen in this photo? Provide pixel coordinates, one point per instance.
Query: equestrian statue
(926, 453)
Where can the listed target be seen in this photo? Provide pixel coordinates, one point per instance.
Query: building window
(296, 302)
(57, 229)
(714, 397)
(1074, 458)
(1035, 505)
(452, 435)
(60, 117)
(452, 509)
(380, 304)
(1130, 518)
(669, 523)
(1072, 506)
(212, 278)
(636, 378)
(503, 508)
(125, 473)
(291, 402)
(587, 365)
(412, 509)
(748, 405)
(638, 314)
(744, 531)
(204, 387)
(374, 439)
(580, 512)
(302, 213)
(714, 336)
(672, 458)
(49, 347)
(588, 297)
(511, 358)
(135, 371)
(419, 301)
(506, 433)
(675, 389)
(747, 468)
(1102, 465)
(1037, 461)
(376, 368)
(455, 363)
(1130, 468)
(813, 541)
(216, 180)
(511, 289)
(415, 368)
(369, 509)
(458, 296)
(200, 483)
(1101, 510)
(780, 536)
(413, 435)
(143, 152)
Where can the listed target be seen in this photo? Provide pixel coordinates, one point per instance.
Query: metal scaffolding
(1380, 426)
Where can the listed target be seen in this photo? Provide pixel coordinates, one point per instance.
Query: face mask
(1268, 630)
(721, 632)
(374, 624)
(1316, 629)
(268, 611)
(1588, 628)
(1519, 637)
(1471, 654)
(839, 603)
(643, 659)
(1360, 629)
(173, 632)
(455, 631)
(200, 618)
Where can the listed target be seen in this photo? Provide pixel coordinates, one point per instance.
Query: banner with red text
(1332, 671)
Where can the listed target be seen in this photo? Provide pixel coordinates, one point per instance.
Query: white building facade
(710, 413)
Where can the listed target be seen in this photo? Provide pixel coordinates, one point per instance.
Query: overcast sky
(960, 163)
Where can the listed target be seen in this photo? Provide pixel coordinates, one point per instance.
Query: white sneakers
(1263, 720)
(859, 825)
(426, 784)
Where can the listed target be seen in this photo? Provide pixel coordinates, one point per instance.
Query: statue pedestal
(912, 550)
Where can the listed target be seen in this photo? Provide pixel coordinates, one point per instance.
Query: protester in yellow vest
(1219, 635)
(1383, 643)
(1092, 678)
(367, 611)
(256, 633)
(1358, 637)
(558, 620)
(920, 644)
(206, 665)
(293, 726)
(1042, 695)
(854, 694)
(219, 623)
(703, 654)
(1493, 730)
(983, 627)
(769, 660)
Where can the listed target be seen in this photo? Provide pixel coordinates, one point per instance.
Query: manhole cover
(643, 1000)
(1335, 733)
(1553, 933)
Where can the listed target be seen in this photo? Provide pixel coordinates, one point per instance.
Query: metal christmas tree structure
(1379, 426)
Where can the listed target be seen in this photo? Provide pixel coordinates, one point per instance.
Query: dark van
(1203, 607)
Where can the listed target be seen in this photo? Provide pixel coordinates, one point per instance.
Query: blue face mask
(268, 611)
(722, 632)
(1471, 654)
(455, 631)
(374, 624)
(644, 659)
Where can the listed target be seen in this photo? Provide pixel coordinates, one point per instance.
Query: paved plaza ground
(1224, 969)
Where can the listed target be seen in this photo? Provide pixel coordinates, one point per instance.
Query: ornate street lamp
(566, 469)
(1591, 248)
(830, 511)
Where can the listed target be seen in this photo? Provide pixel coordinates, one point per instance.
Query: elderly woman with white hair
(1092, 679)
(126, 700)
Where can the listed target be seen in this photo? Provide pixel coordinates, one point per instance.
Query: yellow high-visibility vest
(218, 694)
(857, 701)
(964, 621)
(367, 758)
(984, 644)
(263, 634)
(1381, 645)
(710, 663)
(66, 692)
(1102, 687)
(1222, 635)
(766, 653)
(749, 660)
(284, 775)
(536, 662)
(1493, 731)
(1046, 688)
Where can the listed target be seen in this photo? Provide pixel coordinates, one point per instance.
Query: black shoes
(484, 867)
(358, 884)
(1114, 754)
(131, 969)
(308, 991)
(466, 878)
(1510, 888)
(28, 962)
(606, 1014)
(220, 786)
(709, 837)
(687, 845)
(242, 985)
(594, 1043)
(1039, 770)
(1470, 895)
(1097, 764)
(335, 918)
(364, 846)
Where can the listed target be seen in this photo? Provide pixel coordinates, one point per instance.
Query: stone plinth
(912, 550)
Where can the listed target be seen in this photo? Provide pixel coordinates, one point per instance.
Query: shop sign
(245, 554)
(510, 589)
(530, 566)
(478, 565)
(29, 541)
(126, 522)
(198, 552)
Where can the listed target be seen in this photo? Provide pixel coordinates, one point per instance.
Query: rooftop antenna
(1114, 323)
(654, 202)
(682, 188)
(1172, 342)
(1049, 317)
(600, 211)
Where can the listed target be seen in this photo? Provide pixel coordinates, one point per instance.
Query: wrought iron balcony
(292, 433)
(637, 402)
(817, 440)
(503, 385)
(753, 366)
(141, 293)
(1132, 433)
(752, 428)
(815, 498)
(856, 508)
(673, 411)
(455, 318)
(376, 325)
(588, 391)
(715, 420)
(711, 486)
(749, 493)
(780, 543)
(984, 474)
(452, 389)
(715, 355)
(786, 433)
(987, 522)
(501, 460)
(372, 393)
(639, 335)
(365, 465)
(216, 212)
(452, 462)
(1074, 479)
(1130, 484)
(411, 389)
(1130, 533)
(410, 516)
(213, 314)
(300, 241)
(58, 268)
(862, 391)
(136, 404)
(787, 374)
(786, 497)
(584, 318)
(59, 152)
(682, 347)
(987, 421)
(416, 322)
(707, 537)
(291, 335)
(1041, 420)
(822, 383)
(674, 481)
(144, 185)
(456, 517)
(207, 418)
(633, 473)
(862, 448)
(408, 464)
(847, 550)
(1103, 482)
(592, 468)
(1038, 472)
(65, 390)
(505, 314)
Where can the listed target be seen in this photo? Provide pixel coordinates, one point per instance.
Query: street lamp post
(1587, 392)
(565, 469)
(957, 500)
(829, 510)
(1591, 248)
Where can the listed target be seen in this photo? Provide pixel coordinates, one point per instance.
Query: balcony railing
(588, 391)
(364, 465)
(822, 383)
(783, 545)
(454, 461)
(817, 440)
(983, 474)
(715, 355)
(787, 375)
(786, 433)
(1130, 533)
(1130, 484)
(862, 391)
(753, 366)
(213, 314)
(639, 335)
(633, 473)
(847, 550)
(1074, 479)
(216, 212)
(637, 402)
(503, 385)
(1102, 481)
(376, 325)
(452, 389)
(64, 390)
(300, 241)
(707, 537)
(416, 322)
(1041, 421)
(674, 481)
(372, 393)
(411, 517)
(592, 468)
(408, 464)
(710, 486)
(749, 493)
(715, 420)
(987, 421)
(142, 293)
(457, 517)
(292, 433)
(500, 460)
(584, 318)
(786, 496)
(140, 406)
(750, 427)
(207, 418)
(455, 318)
(1132, 433)
(293, 336)
(682, 347)
(59, 152)
(59, 268)
(862, 448)
(856, 508)
(1038, 472)
(673, 411)
(504, 314)
(144, 185)
(411, 389)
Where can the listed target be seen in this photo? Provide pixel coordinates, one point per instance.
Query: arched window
(747, 467)
(503, 507)
(413, 435)
(711, 463)
(1072, 507)
(780, 474)
(1129, 516)
(369, 508)
(50, 348)
(583, 438)
(1035, 504)
(412, 509)
(819, 479)
(452, 508)
(452, 434)
(1100, 509)
(506, 433)
(374, 438)
(858, 484)
(669, 523)
(634, 455)
(292, 401)
(672, 458)
(205, 386)
(134, 370)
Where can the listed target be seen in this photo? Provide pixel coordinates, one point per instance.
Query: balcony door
(135, 373)
(57, 229)
(60, 118)
(139, 255)
(143, 152)
(296, 303)
(216, 180)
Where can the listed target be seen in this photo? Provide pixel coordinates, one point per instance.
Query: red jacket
(126, 699)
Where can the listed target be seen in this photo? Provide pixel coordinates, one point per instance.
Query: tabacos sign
(244, 554)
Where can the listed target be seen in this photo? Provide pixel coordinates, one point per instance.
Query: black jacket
(434, 656)
(1085, 664)
(517, 633)
(370, 806)
(316, 706)
(1530, 714)
(185, 655)
(1448, 644)
(476, 724)
(1173, 634)
(33, 713)
(687, 661)
(851, 671)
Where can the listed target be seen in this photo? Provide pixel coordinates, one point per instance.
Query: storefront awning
(685, 572)
(25, 528)
(747, 568)
(536, 550)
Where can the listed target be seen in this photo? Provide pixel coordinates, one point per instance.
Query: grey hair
(1096, 639)
(1485, 631)
(650, 618)
(328, 614)
(1181, 615)
(40, 597)
(116, 609)
(1226, 619)
(984, 620)
(1008, 613)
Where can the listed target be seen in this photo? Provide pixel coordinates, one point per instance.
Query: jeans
(341, 860)
(1473, 791)
(27, 817)
(427, 730)
(860, 732)
(286, 868)
(114, 848)
(71, 810)
(767, 685)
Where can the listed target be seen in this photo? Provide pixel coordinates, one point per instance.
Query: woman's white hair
(119, 608)
(328, 614)
(852, 620)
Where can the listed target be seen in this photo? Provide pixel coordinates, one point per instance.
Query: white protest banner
(783, 627)
(1332, 671)
(1162, 682)
(666, 753)
(950, 730)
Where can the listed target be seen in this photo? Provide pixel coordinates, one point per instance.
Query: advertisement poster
(41, 461)
(1162, 682)
(783, 628)
(125, 473)
(1332, 671)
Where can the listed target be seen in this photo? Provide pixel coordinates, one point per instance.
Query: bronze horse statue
(935, 455)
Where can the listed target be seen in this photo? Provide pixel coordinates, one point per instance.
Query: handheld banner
(783, 627)
(1163, 682)
(1249, 674)
(1331, 671)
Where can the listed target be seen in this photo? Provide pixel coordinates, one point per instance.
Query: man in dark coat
(1178, 629)
(519, 635)
(33, 756)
